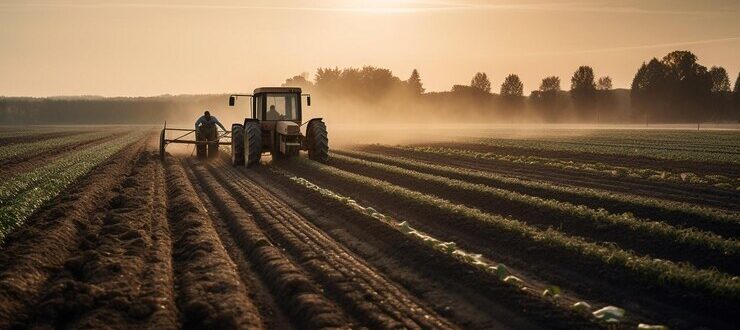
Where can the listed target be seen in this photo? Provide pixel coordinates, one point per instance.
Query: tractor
(275, 127)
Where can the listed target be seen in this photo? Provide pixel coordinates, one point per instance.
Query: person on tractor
(273, 114)
(205, 130)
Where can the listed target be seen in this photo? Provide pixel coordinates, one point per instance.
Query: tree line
(675, 88)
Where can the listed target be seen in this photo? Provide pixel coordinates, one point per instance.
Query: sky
(145, 48)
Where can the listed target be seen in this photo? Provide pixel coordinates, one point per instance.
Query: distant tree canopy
(720, 79)
(583, 88)
(549, 99)
(414, 83)
(367, 83)
(299, 81)
(736, 96)
(480, 81)
(512, 86)
(604, 83)
(676, 87)
(550, 84)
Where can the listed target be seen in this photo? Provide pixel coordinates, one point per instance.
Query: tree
(512, 86)
(689, 85)
(299, 81)
(548, 98)
(550, 84)
(736, 96)
(720, 79)
(649, 88)
(480, 81)
(582, 88)
(414, 83)
(583, 79)
(327, 78)
(604, 84)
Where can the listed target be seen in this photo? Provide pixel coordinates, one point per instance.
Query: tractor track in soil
(663, 190)
(362, 293)
(625, 238)
(23, 163)
(574, 274)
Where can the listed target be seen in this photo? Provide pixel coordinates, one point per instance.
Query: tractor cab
(276, 122)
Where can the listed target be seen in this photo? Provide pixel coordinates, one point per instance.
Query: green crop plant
(22, 194)
(603, 196)
(659, 272)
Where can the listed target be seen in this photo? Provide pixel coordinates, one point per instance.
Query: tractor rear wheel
(318, 141)
(237, 144)
(252, 143)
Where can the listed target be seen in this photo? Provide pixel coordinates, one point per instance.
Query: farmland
(560, 228)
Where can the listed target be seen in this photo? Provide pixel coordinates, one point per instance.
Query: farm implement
(274, 127)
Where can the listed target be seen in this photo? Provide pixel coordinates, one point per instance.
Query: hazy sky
(156, 47)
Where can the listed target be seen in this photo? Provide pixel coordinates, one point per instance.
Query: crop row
(656, 229)
(31, 148)
(719, 181)
(8, 131)
(701, 154)
(659, 272)
(498, 270)
(22, 194)
(686, 210)
(719, 139)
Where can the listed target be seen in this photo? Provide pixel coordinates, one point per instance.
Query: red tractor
(275, 126)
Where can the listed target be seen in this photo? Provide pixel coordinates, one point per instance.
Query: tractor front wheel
(237, 144)
(318, 141)
(252, 143)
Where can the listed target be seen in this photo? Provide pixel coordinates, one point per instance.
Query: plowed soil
(188, 243)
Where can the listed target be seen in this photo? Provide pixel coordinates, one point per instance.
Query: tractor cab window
(282, 107)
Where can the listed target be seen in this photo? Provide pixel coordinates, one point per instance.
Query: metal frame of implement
(163, 141)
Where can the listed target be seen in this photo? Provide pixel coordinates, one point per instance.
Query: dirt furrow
(368, 296)
(209, 293)
(297, 294)
(466, 296)
(663, 190)
(272, 313)
(301, 235)
(123, 273)
(583, 276)
(623, 236)
(38, 250)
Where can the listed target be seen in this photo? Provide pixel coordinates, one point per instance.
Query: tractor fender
(246, 120)
(308, 124)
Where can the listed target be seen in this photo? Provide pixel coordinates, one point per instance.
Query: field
(553, 228)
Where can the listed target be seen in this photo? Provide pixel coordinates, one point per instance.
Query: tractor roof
(277, 90)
